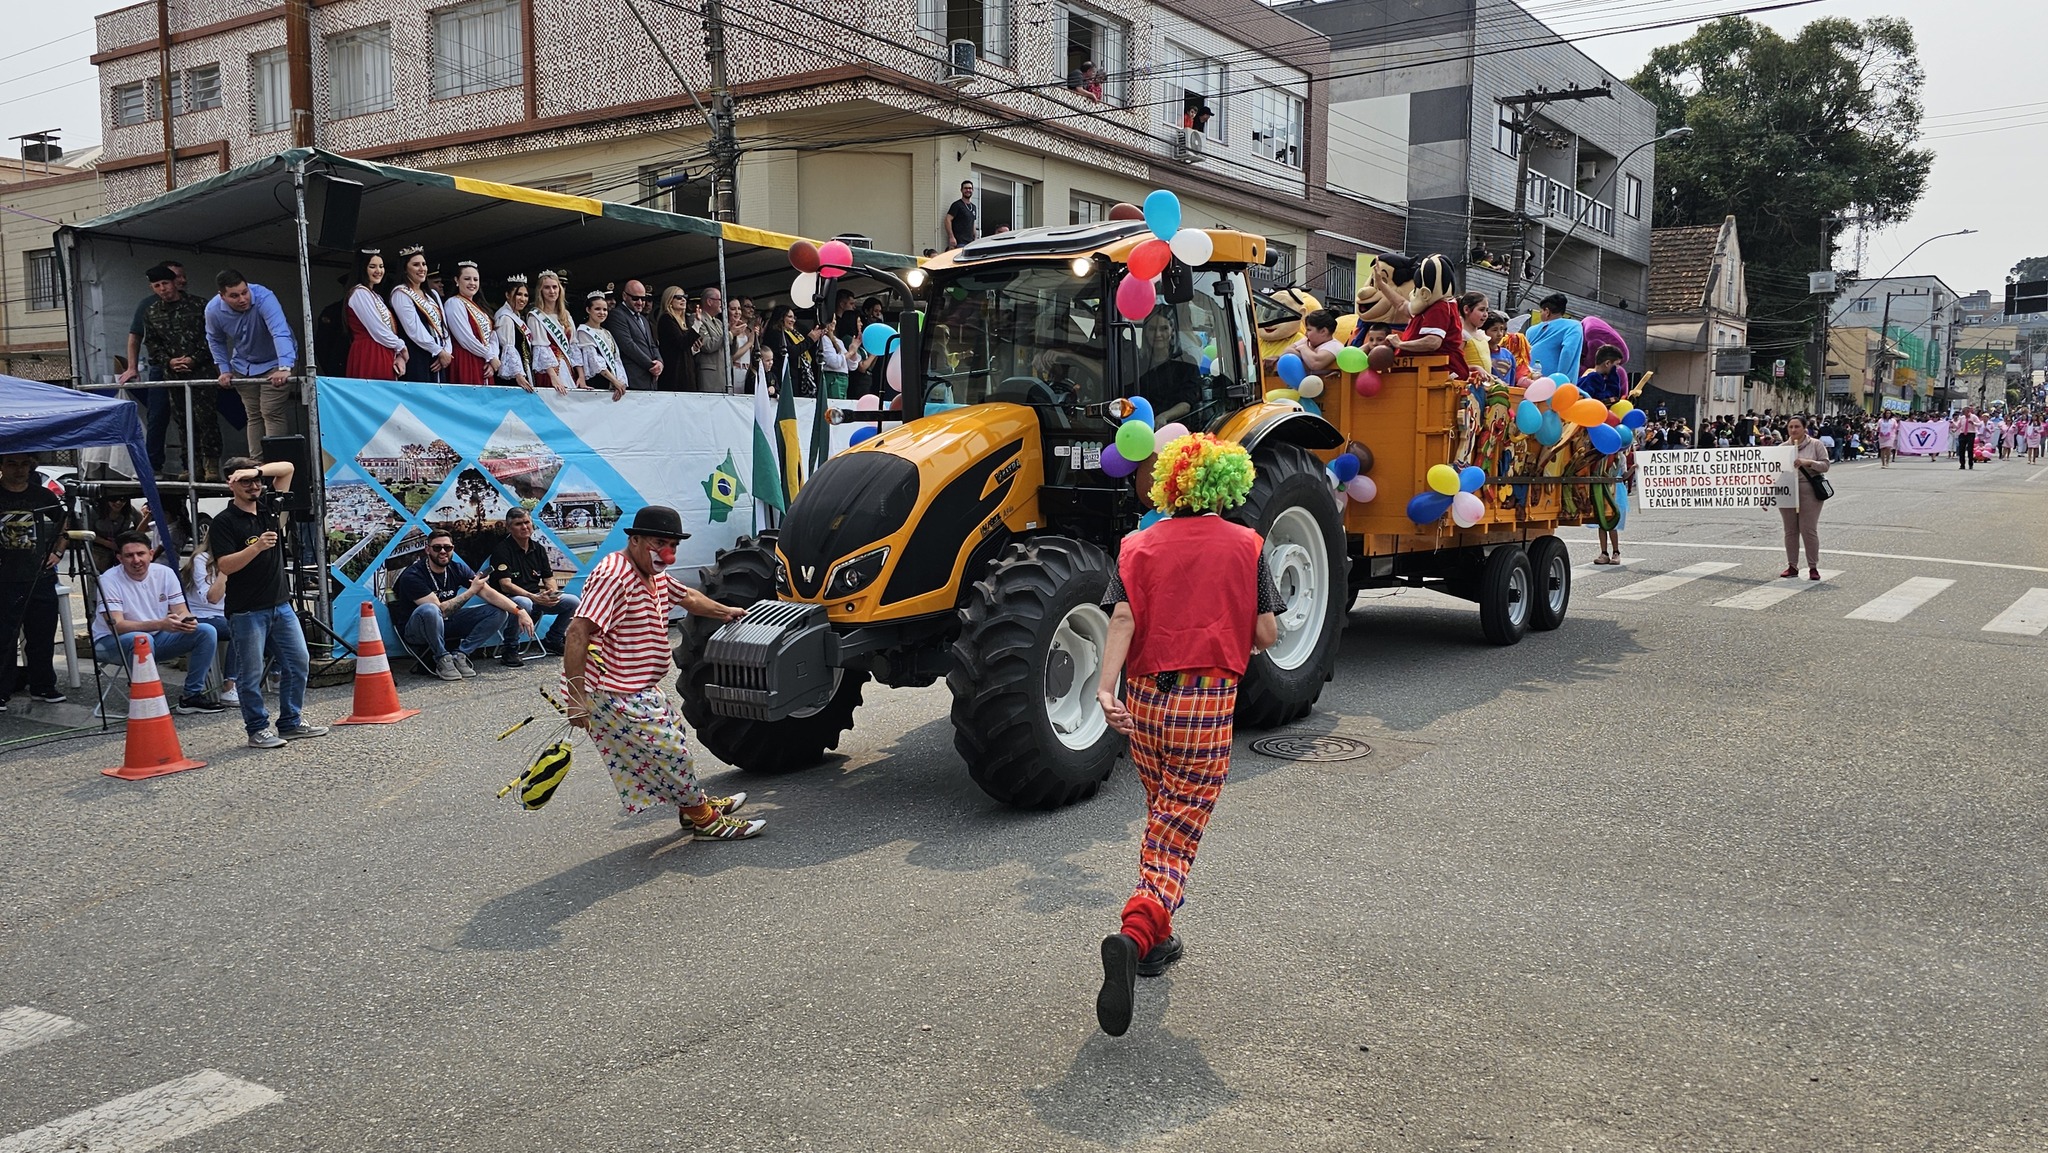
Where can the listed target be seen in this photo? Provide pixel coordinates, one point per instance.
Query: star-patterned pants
(641, 737)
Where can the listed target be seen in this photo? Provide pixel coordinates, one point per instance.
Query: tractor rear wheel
(1507, 595)
(1032, 633)
(743, 574)
(1291, 507)
(1550, 562)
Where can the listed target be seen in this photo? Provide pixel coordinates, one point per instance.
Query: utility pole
(298, 64)
(725, 150)
(163, 92)
(1522, 124)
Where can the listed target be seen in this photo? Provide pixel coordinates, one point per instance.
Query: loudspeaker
(332, 205)
(294, 449)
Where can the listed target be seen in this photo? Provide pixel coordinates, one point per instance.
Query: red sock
(1146, 922)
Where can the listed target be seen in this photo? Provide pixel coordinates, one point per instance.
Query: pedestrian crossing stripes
(2027, 617)
(1664, 583)
(1764, 596)
(1899, 603)
(1586, 570)
(22, 1027)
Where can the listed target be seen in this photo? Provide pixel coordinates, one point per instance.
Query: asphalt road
(1680, 875)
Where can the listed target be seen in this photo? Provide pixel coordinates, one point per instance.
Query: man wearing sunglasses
(445, 605)
(244, 540)
(637, 347)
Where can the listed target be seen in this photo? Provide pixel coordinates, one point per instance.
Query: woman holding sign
(1809, 459)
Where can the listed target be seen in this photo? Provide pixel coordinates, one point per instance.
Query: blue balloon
(1162, 214)
(868, 432)
(1605, 439)
(1208, 366)
(1309, 406)
(875, 338)
(1471, 478)
(1428, 507)
(1553, 428)
(1528, 418)
(1290, 368)
(1345, 467)
(1141, 409)
(1150, 519)
(1634, 418)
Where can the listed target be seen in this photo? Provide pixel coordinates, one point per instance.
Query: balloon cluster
(1452, 490)
(1302, 386)
(1552, 403)
(1366, 367)
(1347, 475)
(1137, 439)
(1137, 293)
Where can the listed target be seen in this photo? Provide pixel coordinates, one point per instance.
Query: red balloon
(834, 259)
(1368, 383)
(1149, 259)
(1613, 419)
(1123, 211)
(803, 256)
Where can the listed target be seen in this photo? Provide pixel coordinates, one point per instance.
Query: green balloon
(1351, 359)
(1135, 440)
(1209, 350)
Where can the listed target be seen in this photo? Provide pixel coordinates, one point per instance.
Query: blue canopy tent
(37, 417)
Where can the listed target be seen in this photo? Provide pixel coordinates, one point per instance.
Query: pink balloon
(1171, 432)
(1540, 389)
(1467, 509)
(834, 258)
(1135, 297)
(1361, 489)
(1368, 383)
(893, 372)
(868, 403)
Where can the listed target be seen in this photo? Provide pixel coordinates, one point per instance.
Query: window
(1632, 198)
(1280, 269)
(1086, 209)
(1006, 202)
(1860, 304)
(1276, 126)
(270, 92)
(476, 48)
(1506, 139)
(196, 89)
(359, 71)
(1200, 84)
(1098, 40)
(688, 193)
(42, 279)
(135, 103)
(984, 23)
(566, 185)
(1340, 281)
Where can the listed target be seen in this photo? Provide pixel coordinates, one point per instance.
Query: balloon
(1470, 478)
(868, 403)
(803, 291)
(1560, 378)
(1170, 433)
(834, 259)
(1310, 406)
(1290, 368)
(1467, 509)
(875, 338)
(1311, 386)
(1162, 214)
(1209, 350)
(1364, 456)
(1149, 259)
(1150, 519)
(1528, 418)
(1345, 466)
(1207, 366)
(893, 374)
(1282, 396)
(1134, 297)
(1553, 428)
(803, 256)
(1123, 210)
(1115, 463)
(1540, 389)
(1381, 357)
(1141, 409)
(860, 434)
(1351, 360)
(1564, 398)
(1368, 383)
(1612, 418)
(1135, 440)
(896, 403)
(1361, 489)
(1428, 507)
(1621, 407)
(1635, 418)
(1443, 478)
(1192, 247)
(1605, 439)
(1587, 412)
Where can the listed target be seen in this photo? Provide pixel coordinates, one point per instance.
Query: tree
(2032, 268)
(1788, 137)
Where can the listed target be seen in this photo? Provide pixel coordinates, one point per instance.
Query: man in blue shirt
(1602, 382)
(439, 602)
(246, 329)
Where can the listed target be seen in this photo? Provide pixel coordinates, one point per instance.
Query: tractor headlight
(854, 575)
(782, 577)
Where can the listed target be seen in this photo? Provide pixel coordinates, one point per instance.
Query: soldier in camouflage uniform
(174, 332)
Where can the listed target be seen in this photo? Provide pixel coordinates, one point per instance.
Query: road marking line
(1633, 543)
(1645, 589)
(2035, 477)
(1596, 569)
(22, 1027)
(142, 1121)
(2028, 616)
(1764, 596)
(1896, 604)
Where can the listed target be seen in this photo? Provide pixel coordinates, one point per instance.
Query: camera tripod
(304, 599)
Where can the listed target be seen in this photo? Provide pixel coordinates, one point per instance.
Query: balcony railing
(1551, 198)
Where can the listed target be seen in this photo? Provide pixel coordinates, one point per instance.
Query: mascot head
(1280, 312)
(1380, 299)
(1433, 281)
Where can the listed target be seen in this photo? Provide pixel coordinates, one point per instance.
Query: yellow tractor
(973, 539)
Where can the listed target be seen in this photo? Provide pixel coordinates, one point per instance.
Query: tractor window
(1032, 334)
(1188, 356)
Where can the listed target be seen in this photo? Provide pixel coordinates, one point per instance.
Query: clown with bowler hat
(617, 653)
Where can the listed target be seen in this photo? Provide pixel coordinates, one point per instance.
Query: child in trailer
(1192, 601)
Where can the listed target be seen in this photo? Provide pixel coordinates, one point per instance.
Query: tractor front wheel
(1291, 507)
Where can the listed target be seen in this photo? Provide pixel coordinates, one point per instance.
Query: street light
(1676, 135)
(1904, 259)
(1828, 308)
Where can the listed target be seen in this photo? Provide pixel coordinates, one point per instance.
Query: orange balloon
(1564, 398)
(1588, 412)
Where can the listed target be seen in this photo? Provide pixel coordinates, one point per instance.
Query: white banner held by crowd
(1923, 437)
(1717, 478)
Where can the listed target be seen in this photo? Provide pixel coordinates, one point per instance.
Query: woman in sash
(603, 367)
(429, 351)
(375, 350)
(517, 362)
(551, 329)
(475, 334)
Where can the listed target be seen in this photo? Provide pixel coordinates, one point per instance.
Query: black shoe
(49, 697)
(199, 703)
(511, 658)
(1119, 984)
(1163, 954)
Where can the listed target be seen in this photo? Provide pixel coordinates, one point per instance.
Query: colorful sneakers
(728, 829)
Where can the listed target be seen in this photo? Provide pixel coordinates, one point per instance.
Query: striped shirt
(629, 613)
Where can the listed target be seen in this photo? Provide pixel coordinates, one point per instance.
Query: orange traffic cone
(152, 740)
(376, 693)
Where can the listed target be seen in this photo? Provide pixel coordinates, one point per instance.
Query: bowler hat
(657, 520)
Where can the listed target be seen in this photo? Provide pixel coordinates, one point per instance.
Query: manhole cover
(1324, 748)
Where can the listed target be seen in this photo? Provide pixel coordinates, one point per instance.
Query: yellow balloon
(1623, 408)
(1443, 478)
(1279, 394)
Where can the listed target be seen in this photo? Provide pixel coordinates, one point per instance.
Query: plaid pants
(1182, 750)
(641, 737)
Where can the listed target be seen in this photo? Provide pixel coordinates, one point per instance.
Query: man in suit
(635, 335)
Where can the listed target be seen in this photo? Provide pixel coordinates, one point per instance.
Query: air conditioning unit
(961, 69)
(1589, 170)
(1189, 145)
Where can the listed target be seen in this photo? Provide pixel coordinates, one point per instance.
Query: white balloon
(894, 373)
(1192, 247)
(1467, 509)
(1311, 386)
(804, 291)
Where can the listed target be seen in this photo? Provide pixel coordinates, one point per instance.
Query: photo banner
(1923, 437)
(403, 459)
(1717, 478)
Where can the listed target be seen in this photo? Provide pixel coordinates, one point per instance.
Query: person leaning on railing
(249, 339)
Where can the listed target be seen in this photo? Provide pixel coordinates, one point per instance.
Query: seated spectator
(139, 597)
(444, 604)
(1602, 382)
(521, 570)
(112, 516)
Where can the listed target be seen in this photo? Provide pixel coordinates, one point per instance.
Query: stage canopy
(39, 418)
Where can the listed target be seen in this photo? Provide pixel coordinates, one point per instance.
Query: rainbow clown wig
(1197, 473)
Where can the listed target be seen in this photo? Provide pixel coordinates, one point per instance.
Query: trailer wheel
(743, 574)
(1550, 566)
(1506, 595)
(1032, 633)
(1290, 506)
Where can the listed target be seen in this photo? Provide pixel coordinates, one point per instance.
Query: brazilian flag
(723, 488)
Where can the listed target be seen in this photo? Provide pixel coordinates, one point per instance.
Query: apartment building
(35, 198)
(1919, 315)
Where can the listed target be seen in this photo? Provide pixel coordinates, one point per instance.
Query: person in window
(1167, 375)
(960, 219)
(375, 350)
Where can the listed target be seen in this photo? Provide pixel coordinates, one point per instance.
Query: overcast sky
(1984, 121)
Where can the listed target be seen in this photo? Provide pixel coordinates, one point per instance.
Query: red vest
(1193, 584)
